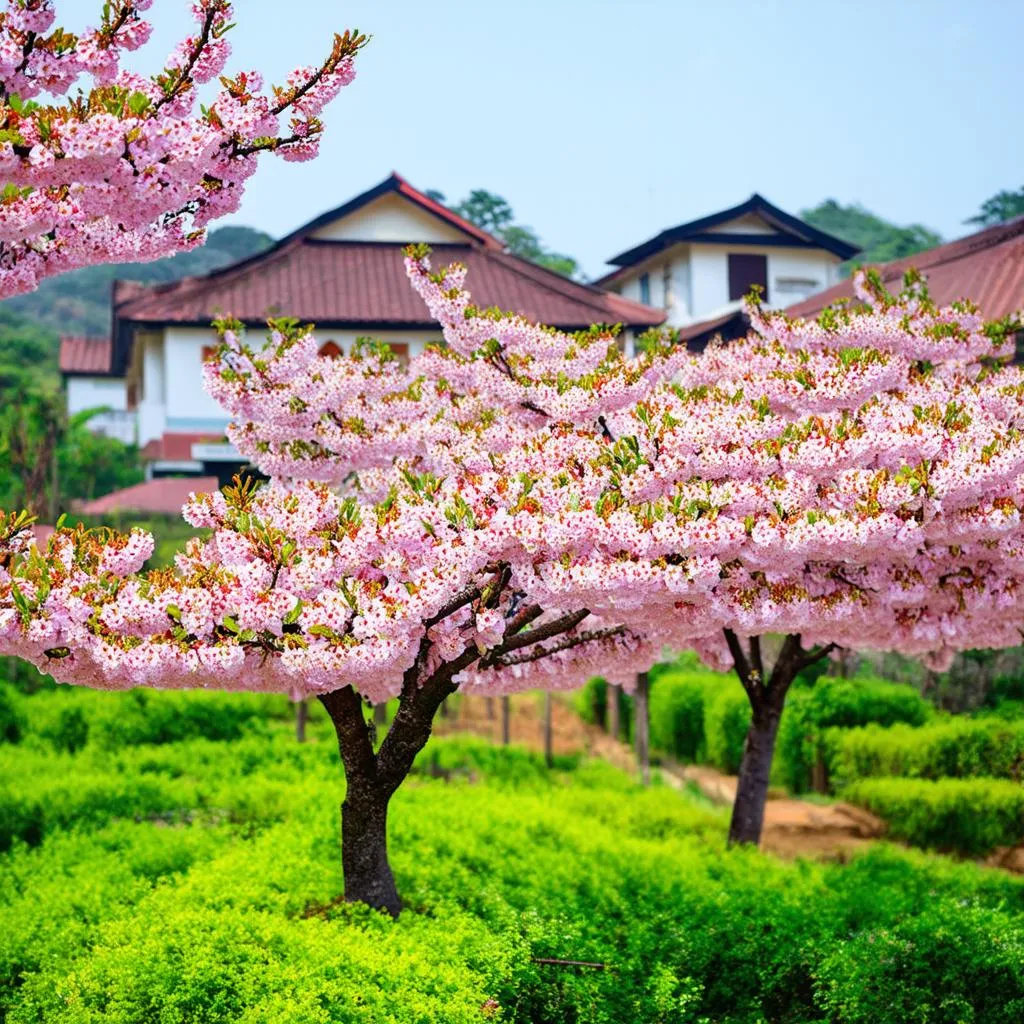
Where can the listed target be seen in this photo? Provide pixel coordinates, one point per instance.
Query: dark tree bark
(373, 776)
(767, 696)
(641, 727)
(371, 780)
(301, 714)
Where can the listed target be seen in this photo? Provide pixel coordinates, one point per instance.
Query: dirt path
(792, 827)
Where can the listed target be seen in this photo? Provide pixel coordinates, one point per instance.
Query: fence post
(641, 726)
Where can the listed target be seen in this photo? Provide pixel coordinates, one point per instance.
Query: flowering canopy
(523, 507)
(126, 169)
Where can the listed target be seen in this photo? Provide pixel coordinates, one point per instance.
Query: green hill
(79, 302)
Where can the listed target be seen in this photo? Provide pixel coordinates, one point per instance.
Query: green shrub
(225, 907)
(967, 816)
(677, 712)
(68, 719)
(591, 704)
(726, 721)
(12, 718)
(948, 965)
(836, 703)
(947, 748)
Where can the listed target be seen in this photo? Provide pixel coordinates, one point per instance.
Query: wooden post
(489, 704)
(611, 710)
(301, 714)
(548, 738)
(641, 727)
(506, 721)
(380, 716)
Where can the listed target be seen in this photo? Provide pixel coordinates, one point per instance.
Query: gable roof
(88, 357)
(164, 495)
(987, 267)
(363, 285)
(396, 184)
(790, 231)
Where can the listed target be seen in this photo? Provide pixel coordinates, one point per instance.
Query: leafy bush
(902, 972)
(68, 720)
(677, 712)
(591, 704)
(726, 721)
(12, 719)
(947, 748)
(968, 816)
(837, 703)
(225, 907)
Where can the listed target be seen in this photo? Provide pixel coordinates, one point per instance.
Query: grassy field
(174, 858)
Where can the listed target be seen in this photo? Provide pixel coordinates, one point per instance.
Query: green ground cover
(184, 867)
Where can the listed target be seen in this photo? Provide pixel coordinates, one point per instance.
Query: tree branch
(739, 659)
(345, 708)
(563, 645)
(755, 657)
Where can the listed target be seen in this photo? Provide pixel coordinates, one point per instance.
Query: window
(793, 289)
(330, 350)
(746, 270)
(645, 289)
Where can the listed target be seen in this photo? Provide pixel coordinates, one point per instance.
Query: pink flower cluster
(533, 508)
(129, 170)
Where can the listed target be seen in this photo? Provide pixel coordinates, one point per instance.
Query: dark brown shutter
(746, 270)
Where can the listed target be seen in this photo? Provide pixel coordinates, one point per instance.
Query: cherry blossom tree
(127, 167)
(521, 508)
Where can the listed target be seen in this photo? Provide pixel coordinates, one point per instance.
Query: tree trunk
(506, 721)
(641, 727)
(548, 737)
(767, 696)
(612, 710)
(371, 778)
(364, 847)
(301, 714)
(752, 785)
(489, 704)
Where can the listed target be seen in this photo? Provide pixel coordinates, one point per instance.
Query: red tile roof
(176, 447)
(165, 496)
(363, 284)
(987, 267)
(90, 356)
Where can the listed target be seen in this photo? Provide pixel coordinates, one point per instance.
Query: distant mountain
(79, 302)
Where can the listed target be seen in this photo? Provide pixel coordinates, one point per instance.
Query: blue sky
(604, 122)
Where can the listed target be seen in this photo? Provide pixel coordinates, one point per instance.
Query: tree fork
(371, 780)
(767, 700)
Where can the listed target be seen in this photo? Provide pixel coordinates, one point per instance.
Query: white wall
(391, 218)
(189, 409)
(90, 392)
(93, 392)
(147, 370)
(698, 278)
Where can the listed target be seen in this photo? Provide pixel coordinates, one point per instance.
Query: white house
(699, 272)
(90, 384)
(343, 271)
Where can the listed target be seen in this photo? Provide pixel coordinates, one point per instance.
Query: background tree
(494, 214)
(1003, 206)
(879, 239)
